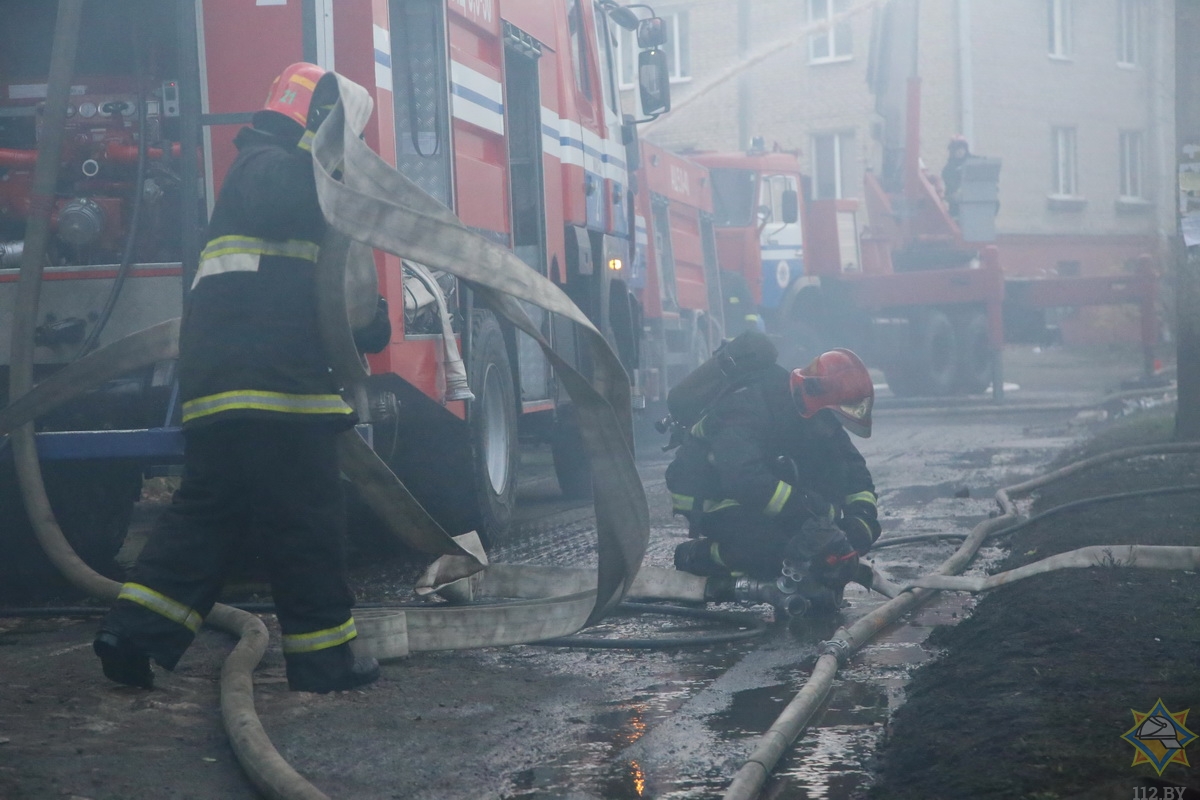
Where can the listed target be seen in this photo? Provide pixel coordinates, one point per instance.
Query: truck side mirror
(654, 82)
(791, 206)
(624, 17)
(651, 33)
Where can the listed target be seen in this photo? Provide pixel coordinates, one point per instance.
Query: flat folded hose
(378, 207)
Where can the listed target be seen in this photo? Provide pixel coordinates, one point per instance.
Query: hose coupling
(838, 648)
(780, 593)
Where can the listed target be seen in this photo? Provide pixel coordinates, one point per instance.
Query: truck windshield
(734, 193)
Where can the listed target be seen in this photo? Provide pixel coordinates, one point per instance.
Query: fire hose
(377, 207)
(258, 757)
(404, 221)
(748, 781)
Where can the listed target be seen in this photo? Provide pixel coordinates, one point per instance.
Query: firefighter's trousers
(747, 542)
(281, 477)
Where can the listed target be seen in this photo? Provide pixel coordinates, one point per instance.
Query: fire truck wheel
(493, 420)
(930, 366)
(571, 464)
(93, 506)
(974, 354)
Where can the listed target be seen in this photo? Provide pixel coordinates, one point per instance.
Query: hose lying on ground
(1122, 555)
(748, 627)
(411, 225)
(893, 541)
(749, 780)
(253, 749)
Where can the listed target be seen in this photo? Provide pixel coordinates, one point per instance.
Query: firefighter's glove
(815, 538)
(822, 551)
(860, 522)
(837, 565)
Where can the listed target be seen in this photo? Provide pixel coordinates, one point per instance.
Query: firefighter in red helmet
(261, 413)
(779, 501)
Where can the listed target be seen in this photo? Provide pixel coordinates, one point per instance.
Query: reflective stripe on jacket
(729, 457)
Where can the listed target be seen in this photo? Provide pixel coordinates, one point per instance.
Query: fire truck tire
(571, 465)
(493, 421)
(974, 354)
(93, 506)
(930, 367)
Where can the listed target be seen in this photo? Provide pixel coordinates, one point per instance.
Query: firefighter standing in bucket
(261, 413)
(779, 501)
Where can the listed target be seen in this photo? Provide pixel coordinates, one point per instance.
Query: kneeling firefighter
(779, 502)
(261, 416)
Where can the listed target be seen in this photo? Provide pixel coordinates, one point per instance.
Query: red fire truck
(900, 285)
(675, 277)
(919, 292)
(820, 279)
(507, 112)
(504, 110)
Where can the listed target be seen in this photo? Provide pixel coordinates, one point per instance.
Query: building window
(831, 154)
(605, 47)
(1131, 166)
(679, 55)
(1060, 28)
(1128, 30)
(832, 39)
(1064, 181)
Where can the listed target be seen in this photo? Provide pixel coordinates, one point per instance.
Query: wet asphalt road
(544, 722)
(679, 724)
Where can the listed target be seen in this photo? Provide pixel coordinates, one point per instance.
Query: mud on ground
(1032, 694)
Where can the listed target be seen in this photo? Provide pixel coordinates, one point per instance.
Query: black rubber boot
(334, 669)
(719, 589)
(699, 557)
(122, 662)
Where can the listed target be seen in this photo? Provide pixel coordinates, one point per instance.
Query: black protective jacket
(250, 346)
(752, 453)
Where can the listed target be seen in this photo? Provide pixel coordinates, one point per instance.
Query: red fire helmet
(837, 380)
(291, 93)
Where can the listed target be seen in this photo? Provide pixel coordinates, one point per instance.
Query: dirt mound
(1034, 692)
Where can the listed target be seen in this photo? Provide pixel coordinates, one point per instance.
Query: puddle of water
(752, 711)
(597, 767)
(683, 739)
(826, 762)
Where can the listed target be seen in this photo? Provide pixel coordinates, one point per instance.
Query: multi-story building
(1075, 96)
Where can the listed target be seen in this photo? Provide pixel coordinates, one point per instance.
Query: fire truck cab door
(782, 242)
(527, 192)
